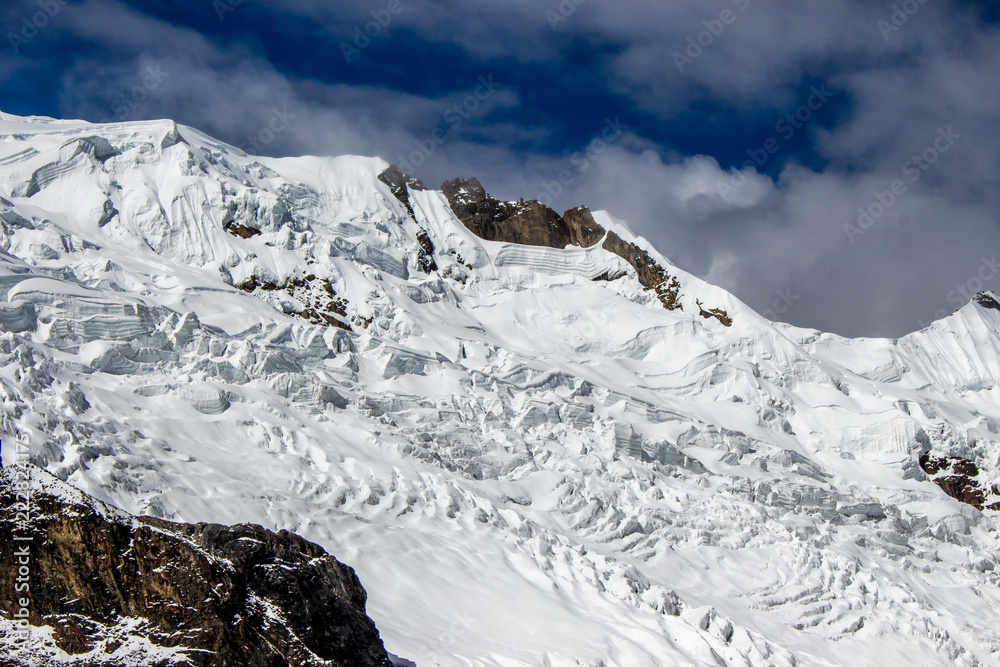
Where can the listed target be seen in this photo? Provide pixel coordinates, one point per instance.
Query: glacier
(525, 456)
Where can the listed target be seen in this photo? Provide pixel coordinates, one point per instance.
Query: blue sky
(827, 100)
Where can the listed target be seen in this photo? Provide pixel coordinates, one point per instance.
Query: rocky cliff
(533, 223)
(121, 590)
(525, 222)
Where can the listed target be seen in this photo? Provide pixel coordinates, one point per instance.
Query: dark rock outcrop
(584, 230)
(320, 302)
(425, 258)
(717, 313)
(651, 274)
(220, 595)
(524, 222)
(242, 231)
(400, 185)
(532, 223)
(958, 478)
(986, 300)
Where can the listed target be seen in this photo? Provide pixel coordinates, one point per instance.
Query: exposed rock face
(527, 223)
(958, 478)
(400, 185)
(532, 223)
(241, 231)
(651, 274)
(425, 259)
(313, 299)
(238, 213)
(584, 230)
(717, 313)
(218, 596)
(986, 300)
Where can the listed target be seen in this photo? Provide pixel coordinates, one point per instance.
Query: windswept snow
(524, 465)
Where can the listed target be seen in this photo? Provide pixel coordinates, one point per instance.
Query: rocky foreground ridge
(108, 588)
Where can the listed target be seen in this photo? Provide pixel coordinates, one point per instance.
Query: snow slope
(526, 466)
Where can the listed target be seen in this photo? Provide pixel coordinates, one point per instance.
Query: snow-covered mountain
(532, 455)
